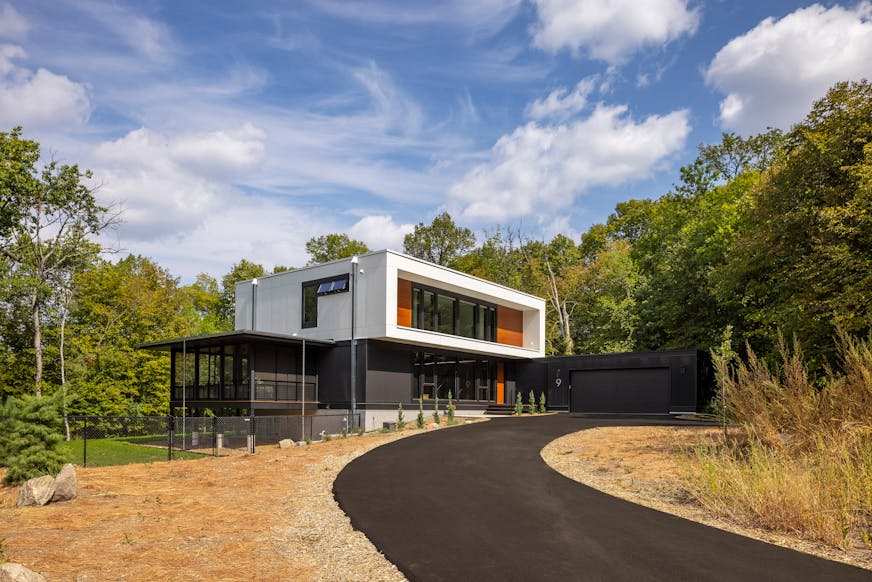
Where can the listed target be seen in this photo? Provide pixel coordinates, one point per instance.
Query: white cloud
(38, 99)
(380, 232)
(392, 106)
(540, 168)
(12, 24)
(613, 30)
(772, 74)
(561, 104)
(146, 36)
(169, 187)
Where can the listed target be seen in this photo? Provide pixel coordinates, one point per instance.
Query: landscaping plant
(420, 413)
(449, 410)
(401, 422)
(542, 409)
(519, 405)
(30, 434)
(436, 407)
(531, 402)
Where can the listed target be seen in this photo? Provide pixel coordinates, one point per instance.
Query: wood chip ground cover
(268, 516)
(641, 464)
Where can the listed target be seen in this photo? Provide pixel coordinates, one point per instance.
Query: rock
(37, 491)
(18, 573)
(66, 484)
(286, 443)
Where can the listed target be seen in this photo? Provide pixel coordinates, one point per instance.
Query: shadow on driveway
(478, 503)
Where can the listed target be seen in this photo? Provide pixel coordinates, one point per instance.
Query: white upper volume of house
(398, 298)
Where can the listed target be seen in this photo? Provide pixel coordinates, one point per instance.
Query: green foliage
(531, 403)
(331, 247)
(343, 433)
(449, 409)
(401, 422)
(360, 431)
(308, 440)
(241, 271)
(542, 409)
(436, 408)
(440, 242)
(30, 431)
(519, 405)
(420, 419)
(106, 452)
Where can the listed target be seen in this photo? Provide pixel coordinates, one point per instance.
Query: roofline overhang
(231, 337)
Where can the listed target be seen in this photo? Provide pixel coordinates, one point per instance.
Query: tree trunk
(37, 345)
(63, 363)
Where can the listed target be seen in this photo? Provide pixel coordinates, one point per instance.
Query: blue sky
(227, 131)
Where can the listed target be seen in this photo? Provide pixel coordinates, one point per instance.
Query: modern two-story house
(377, 330)
(365, 334)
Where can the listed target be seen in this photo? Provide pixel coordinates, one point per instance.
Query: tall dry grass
(803, 463)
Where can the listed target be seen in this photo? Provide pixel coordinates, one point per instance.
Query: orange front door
(501, 384)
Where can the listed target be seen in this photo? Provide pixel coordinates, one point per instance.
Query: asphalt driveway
(478, 503)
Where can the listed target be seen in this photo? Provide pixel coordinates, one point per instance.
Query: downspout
(354, 261)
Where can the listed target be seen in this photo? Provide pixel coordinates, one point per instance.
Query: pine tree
(420, 413)
(449, 410)
(519, 405)
(531, 402)
(542, 408)
(401, 422)
(30, 431)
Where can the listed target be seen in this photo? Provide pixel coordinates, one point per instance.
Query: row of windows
(436, 310)
(435, 375)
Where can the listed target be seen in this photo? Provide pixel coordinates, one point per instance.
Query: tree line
(762, 235)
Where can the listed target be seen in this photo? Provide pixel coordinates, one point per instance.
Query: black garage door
(640, 390)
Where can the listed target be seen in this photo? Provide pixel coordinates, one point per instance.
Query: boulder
(286, 443)
(66, 484)
(37, 491)
(18, 573)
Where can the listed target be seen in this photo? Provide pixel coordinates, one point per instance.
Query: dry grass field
(268, 516)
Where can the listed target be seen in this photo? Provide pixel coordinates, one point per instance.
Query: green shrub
(449, 410)
(30, 433)
(343, 433)
(436, 407)
(542, 408)
(519, 405)
(420, 413)
(360, 431)
(401, 422)
(531, 402)
(308, 440)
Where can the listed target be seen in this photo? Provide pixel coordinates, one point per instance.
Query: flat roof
(231, 337)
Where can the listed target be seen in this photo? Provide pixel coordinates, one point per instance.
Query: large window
(312, 290)
(445, 312)
(436, 375)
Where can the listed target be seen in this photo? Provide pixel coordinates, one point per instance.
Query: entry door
(501, 383)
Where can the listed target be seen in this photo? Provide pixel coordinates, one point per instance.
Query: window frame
(481, 307)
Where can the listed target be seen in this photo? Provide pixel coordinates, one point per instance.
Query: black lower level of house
(247, 372)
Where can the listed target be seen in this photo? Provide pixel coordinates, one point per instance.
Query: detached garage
(667, 382)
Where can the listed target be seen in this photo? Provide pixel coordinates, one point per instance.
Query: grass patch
(802, 462)
(105, 452)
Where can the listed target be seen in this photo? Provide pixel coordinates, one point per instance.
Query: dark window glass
(446, 314)
(480, 316)
(416, 308)
(466, 319)
(310, 305)
(428, 376)
(335, 285)
(445, 378)
(428, 313)
(492, 325)
(465, 380)
(229, 384)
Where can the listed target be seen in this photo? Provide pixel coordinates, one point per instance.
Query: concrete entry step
(500, 409)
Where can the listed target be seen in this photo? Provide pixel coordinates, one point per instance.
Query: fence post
(214, 436)
(171, 429)
(85, 443)
(251, 434)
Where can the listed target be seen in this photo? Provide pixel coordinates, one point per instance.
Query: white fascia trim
(437, 340)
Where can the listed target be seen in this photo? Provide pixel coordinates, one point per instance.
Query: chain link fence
(118, 440)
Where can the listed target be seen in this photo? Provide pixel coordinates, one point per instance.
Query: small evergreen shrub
(420, 413)
(449, 410)
(436, 407)
(29, 436)
(542, 408)
(531, 402)
(344, 433)
(519, 405)
(360, 431)
(308, 440)
(401, 422)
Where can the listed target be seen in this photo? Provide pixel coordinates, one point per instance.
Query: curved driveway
(478, 503)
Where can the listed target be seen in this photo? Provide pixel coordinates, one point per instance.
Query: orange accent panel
(404, 302)
(501, 383)
(510, 326)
